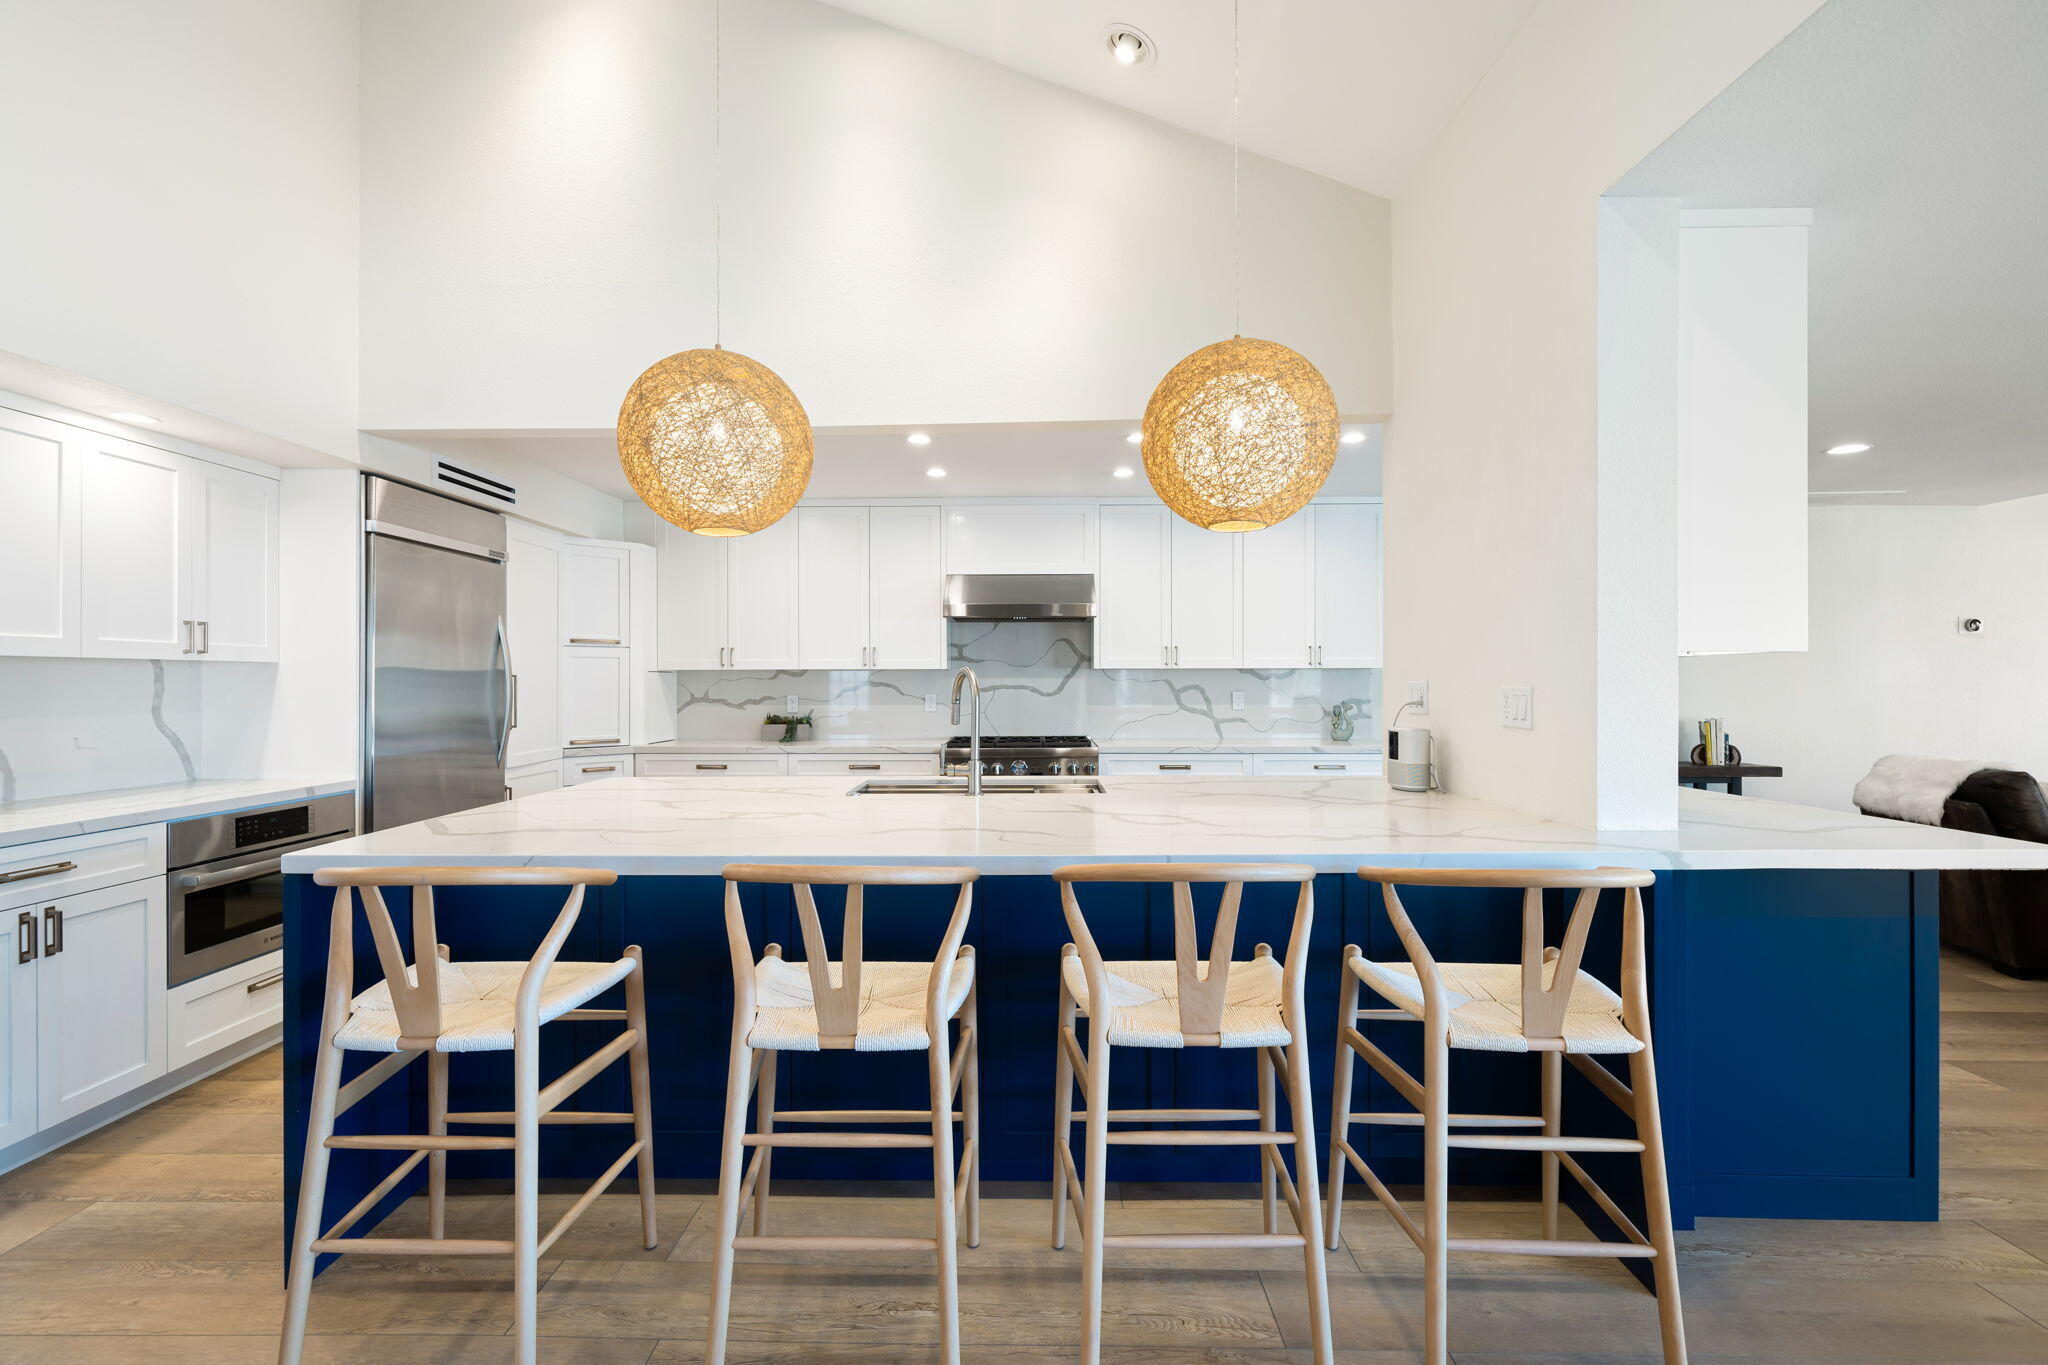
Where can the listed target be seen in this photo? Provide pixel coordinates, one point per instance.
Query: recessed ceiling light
(1122, 471)
(918, 438)
(1852, 448)
(1352, 437)
(935, 473)
(1129, 46)
(142, 418)
(1135, 437)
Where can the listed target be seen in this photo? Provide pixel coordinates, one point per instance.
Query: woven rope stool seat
(1544, 1004)
(890, 1016)
(486, 1020)
(1144, 1003)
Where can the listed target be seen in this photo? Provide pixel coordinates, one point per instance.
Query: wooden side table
(1730, 775)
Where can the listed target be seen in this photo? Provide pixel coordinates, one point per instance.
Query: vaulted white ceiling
(1356, 90)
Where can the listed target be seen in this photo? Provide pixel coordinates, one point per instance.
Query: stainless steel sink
(957, 786)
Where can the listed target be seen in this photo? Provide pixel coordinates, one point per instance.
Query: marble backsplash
(81, 725)
(1036, 678)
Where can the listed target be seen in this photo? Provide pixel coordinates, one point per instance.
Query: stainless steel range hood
(1020, 597)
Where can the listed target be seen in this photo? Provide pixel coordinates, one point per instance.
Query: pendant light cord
(1236, 193)
(718, 175)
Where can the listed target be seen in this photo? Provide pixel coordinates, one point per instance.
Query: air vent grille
(469, 481)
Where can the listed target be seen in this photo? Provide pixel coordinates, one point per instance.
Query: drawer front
(710, 765)
(1173, 765)
(575, 770)
(221, 1010)
(857, 765)
(83, 862)
(1315, 765)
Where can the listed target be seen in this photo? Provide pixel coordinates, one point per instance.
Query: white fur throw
(1913, 786)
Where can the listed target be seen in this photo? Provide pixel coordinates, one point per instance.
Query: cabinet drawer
(82, 862)
(1173, 765)
(859, 765)
(593, 769)
(542, 777)
(224, 1008)
(710, 765)
(1316, 765)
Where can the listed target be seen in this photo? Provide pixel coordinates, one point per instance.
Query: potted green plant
(790, 726)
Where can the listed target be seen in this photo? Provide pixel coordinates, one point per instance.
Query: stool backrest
(837, 1002)
(416, 996)
(1202, 977)
(1544, 1004)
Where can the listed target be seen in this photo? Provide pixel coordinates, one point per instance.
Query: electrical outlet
(1418, 698)
(790, 703)
(931, 701)
(1518, 708)
(1237, 701)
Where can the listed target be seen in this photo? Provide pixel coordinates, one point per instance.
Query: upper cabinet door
(1279, 595)
(762, 586)
(833, 611)
(100, 1024)
(533, 582)
(597, 606)
(1131, 611)
(1347, 571)
(1203, 596)
(596, 697)
(690, 603)
(136, 568)
(1020, 538)
(41, 463)
(231, 530)
(906, 585)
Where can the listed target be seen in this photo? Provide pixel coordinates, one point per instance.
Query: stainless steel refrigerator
(437, 681)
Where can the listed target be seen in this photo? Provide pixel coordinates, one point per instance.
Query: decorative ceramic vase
(1340, 722)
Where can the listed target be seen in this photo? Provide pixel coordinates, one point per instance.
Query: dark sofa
(2001, 917)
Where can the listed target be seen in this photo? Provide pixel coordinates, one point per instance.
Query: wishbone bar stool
(1543, 1004)
(851, 1004)
(1196, 1000)
(434, 1007)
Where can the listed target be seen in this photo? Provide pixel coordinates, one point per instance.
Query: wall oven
(226, 892)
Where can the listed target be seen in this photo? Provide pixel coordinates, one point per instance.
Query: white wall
(1494, 456)
(911, 234)
(1886, 669)
(182, 213)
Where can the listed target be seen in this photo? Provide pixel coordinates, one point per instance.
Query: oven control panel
(268, 826)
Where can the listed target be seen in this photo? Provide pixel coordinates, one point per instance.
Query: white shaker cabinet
(596, 594)
(533, 600)
(832, 611)
(18, 1028)
(596, 697)
(1347, 585)
(1279, 594)
(729, 602)
(1203, 594)
(870, 588)
(100, 1021)
(230, 526)
(136, 563)
(1131, 592)
(691, 601)
(41, 469)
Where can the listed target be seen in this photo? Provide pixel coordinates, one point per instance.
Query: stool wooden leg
(970, 1108)
(1436, 1220)
(1062, 1116)
(1094, 1191)
(1553, 1126)
(764, 1122)
(526, 1197)
(312, 1202)
(1269, 1184)
(939, 1067)
(437, 1162)
(731, 1170)
(643, 1107)
(1340, 1104)
(1657, 1204)
(1307, 1201)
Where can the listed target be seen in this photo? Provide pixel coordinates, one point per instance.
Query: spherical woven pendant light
(1240, 435)
(715, 442)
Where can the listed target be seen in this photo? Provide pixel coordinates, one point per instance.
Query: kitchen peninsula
(1793, 958)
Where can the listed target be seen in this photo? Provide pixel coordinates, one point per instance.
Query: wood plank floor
(157, 1240)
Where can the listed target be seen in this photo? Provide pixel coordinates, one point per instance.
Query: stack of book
(1714, 744)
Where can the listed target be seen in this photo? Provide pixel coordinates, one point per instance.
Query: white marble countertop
(693, 826)
(55, 817)
(1236, 746)
(930, 746)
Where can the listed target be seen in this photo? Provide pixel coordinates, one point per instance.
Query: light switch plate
(790, 701)
(931, 701)
(1518, 708)
(1418, 698)
(1237, 701)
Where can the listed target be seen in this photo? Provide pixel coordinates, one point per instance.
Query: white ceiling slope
(1914, 132)
(1356, 90)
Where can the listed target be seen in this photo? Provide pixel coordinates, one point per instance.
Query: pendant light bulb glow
(713, 441)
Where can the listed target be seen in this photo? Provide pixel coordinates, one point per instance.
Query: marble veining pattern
(693, 826)
(1037, 677)
(86, 725)
(59, 817)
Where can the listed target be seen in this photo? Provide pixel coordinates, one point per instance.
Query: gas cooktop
(1026, 755)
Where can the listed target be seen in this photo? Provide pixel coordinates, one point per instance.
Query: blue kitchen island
(1793, 957)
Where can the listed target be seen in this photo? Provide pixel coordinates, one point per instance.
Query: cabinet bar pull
(53, 931)
(863, 767)
(264, 984)
(1175, 767)
(600, 768)
(25, 936)
(710, 767)
(41, 870)
(575, 743)
(590, 640)
(188, 635)
(206, 637)
(1329, 767)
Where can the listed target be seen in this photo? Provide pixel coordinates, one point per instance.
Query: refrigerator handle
(505, 698)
